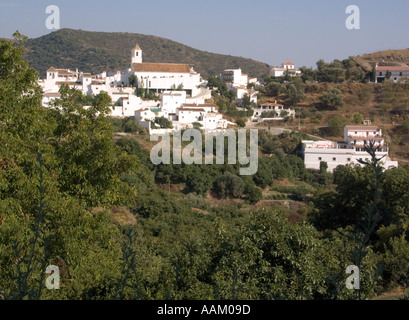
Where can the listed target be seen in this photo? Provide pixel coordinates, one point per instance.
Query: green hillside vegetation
(118, 227)
(96, 52)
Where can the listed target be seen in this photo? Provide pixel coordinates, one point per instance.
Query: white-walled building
(395, 73)
(359, 136)
(241, 91)
(182, 94)
(161, 77)
(349, 151)
(235, 77)
(171, 100)
(286, 67)
(276, 109)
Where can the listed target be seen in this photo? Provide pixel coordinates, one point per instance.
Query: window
(334, 159)
(380, 73)
(401, 74)
(348, 159)
(319, 158)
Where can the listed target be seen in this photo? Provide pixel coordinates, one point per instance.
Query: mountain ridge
(95, 52)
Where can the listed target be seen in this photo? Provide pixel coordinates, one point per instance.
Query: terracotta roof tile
(386, 68)
(161, 67)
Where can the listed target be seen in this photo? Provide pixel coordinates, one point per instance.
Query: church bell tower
(137, 54)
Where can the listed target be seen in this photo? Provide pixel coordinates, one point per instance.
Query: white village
(183, 99)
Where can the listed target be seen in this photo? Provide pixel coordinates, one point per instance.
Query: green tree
(44, 219)
(85, 151)
(241, 123)
(336, 125)
(163, 122)
(132, 80)
(332, 98)
(246, 101)
(274, 89)
(229, 185)
(294, 94)
(358, 118)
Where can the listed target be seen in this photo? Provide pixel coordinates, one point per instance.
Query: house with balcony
(271, 111)
(286, 67)
(349, 151)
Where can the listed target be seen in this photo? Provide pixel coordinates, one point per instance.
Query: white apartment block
(235, 77)
(348, 151)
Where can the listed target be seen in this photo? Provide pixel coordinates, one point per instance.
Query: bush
(164, 123)
(239, 113)
(336, 125)
(396, 263)
(195, 200)
(358, 118)
(405, 125)
(132, 126)
(241, 123)
(332, 98)
(229, 185)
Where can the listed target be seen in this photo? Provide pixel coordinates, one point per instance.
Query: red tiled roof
(192, 105)
(192, 109)
(366, 138)
(288, 63)
(364, 128)
(272, 105)
(386, 68)
(58, 83)
(161, 67)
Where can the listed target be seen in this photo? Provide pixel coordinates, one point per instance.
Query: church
(160, 77)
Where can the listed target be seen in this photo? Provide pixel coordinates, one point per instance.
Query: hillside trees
(56, 164)
(89, 164)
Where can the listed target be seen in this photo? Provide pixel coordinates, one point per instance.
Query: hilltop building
(348, 151)
(286, 67)
(393, 73)
(160, 77)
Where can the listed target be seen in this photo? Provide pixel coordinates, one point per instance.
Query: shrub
(241, 123)
(229, 185)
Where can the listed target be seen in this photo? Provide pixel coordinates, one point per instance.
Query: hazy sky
(266, 30)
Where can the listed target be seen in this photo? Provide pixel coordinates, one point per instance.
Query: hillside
(96, 52)
(387, 58)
